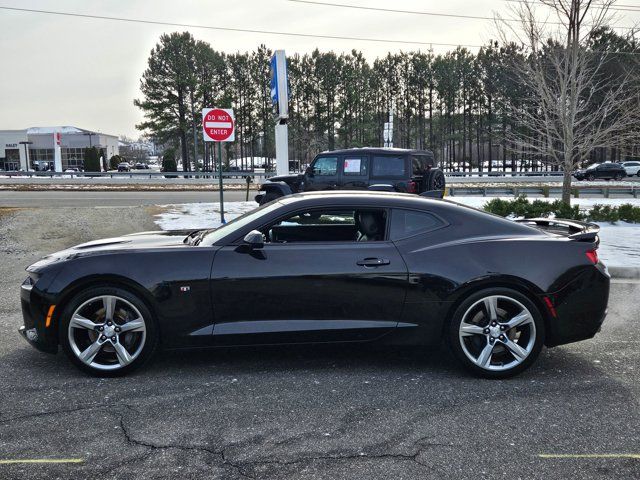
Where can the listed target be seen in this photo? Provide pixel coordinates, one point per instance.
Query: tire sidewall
(452, 332)
(151, 338)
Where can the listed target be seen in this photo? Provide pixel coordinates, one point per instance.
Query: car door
(601, 171)
(298, 288)
(323, 174)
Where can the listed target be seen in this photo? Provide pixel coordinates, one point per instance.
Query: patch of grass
(5, 211)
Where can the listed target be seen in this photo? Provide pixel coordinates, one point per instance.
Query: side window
(325, 166)
(388, 166)
(417, 166)
(356, 166)
(406, 223)
(342, 225)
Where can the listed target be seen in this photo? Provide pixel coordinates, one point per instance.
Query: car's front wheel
(107, 331)
(496, 333)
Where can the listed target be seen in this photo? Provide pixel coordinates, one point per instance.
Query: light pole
(90, 134)
(26, 153)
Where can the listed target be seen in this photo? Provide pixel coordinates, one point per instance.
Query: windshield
(213, 236)
(595, 165)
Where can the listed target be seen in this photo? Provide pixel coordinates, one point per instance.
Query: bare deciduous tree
(575, 105)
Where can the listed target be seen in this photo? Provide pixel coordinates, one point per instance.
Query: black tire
(269, 197)
(454, 339)
(591, 178)
(435, 180)
(150, 338)
(637, 174)
(617, 178)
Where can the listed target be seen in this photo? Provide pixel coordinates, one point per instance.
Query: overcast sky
(83, 72)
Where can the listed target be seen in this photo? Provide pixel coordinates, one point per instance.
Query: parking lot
(340, 412)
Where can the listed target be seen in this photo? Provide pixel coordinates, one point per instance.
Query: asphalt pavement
(307, 412)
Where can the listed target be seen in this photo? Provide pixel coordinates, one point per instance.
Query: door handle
(373, 262)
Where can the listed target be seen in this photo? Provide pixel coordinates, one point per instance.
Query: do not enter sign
(218, 125)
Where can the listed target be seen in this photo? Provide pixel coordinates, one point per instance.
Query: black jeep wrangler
(382, 169)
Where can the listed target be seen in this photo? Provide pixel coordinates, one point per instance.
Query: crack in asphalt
(153, 446)
(247, 469)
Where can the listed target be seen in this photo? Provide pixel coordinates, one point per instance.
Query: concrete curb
(629, 273)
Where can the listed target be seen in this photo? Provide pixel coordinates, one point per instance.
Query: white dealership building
(44, 148)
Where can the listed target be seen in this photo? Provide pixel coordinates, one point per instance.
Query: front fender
(173, 282)
(281, 188)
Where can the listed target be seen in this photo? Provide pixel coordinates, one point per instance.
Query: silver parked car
(632, 168)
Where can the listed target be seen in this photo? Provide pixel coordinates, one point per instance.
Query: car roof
(366, 198)
(379, 150)
(359, 196)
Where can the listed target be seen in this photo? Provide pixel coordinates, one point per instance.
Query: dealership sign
(218, 125)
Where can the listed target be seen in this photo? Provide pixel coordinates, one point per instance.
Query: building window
(72, 157)
(41, 154)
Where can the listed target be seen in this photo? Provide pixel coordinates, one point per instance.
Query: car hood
(135, 241)
(285, 178)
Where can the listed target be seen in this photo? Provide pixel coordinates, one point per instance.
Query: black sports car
(325, 267)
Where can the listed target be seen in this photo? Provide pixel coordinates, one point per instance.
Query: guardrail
(476, 173)
(605, 192)
(138, 174)
(237, 174)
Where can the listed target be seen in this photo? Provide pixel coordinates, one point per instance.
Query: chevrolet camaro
(381, 267)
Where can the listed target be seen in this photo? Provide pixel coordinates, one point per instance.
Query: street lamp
(26, 153)
(90, 134)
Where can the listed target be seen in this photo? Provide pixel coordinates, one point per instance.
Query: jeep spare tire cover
(435, 180)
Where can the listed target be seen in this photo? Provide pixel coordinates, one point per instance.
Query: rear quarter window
(407, 223)
(388, 166)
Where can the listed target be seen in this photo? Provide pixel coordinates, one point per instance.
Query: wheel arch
(520, 285)
(106, 281)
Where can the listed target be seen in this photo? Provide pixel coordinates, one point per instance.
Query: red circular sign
(218, 125)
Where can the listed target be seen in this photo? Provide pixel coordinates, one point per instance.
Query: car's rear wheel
(107, 331)
(618, 177)
(496, 333)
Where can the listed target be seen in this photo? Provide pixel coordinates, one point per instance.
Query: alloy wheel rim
(107, 332)
(497, 333)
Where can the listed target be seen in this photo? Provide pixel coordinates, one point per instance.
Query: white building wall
(10, 140)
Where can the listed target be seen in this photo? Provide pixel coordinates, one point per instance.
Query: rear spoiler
(574, 229)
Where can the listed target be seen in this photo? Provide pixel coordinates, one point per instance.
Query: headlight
(28, 283)
(46, 261)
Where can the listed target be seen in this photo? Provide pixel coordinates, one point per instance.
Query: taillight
(412, 187)
(592, 255)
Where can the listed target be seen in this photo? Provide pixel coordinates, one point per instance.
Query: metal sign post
(219, 125)
(280, 101)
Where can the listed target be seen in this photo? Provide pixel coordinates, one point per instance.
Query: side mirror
(254, 239)
(309, 172)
